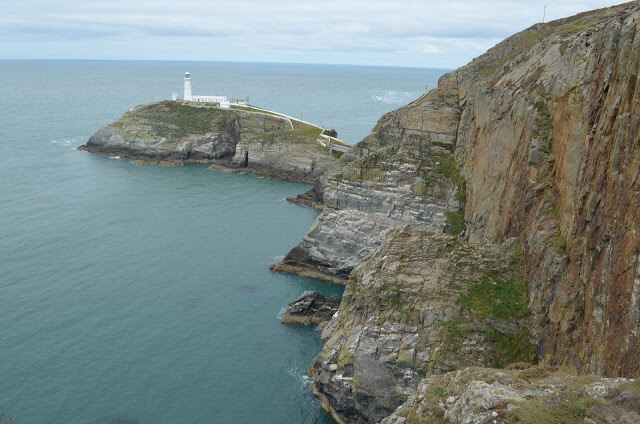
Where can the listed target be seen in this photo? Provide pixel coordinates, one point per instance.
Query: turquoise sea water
(141, 294)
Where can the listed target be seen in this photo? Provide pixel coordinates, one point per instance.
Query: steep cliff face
(176, 133)
(549, 145)
(537, 140)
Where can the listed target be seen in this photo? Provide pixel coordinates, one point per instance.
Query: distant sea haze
(142, 294)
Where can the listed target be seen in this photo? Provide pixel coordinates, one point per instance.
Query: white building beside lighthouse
(221, 100)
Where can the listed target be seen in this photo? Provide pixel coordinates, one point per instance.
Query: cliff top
(517, 48)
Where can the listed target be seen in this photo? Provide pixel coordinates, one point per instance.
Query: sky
(417, 33)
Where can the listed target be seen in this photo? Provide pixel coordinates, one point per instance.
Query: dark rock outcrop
(330, 132)
(311, 308)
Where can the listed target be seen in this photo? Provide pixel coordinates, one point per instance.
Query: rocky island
(240, 139)
(488, 233)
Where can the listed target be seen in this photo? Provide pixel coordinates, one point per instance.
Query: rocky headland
(232, 140)
(493, 221)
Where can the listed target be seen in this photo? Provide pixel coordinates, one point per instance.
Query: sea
(135, 294)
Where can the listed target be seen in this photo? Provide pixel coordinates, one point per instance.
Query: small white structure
(221, 100)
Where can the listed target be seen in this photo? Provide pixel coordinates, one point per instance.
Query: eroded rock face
(175, 133)
(311, 308)
(422, 303)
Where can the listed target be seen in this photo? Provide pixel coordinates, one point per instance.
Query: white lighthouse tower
(187, 87)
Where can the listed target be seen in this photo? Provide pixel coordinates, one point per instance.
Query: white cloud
(401, 32)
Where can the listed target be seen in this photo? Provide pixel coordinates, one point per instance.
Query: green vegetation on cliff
(495, 296)
(447, 167)
(174, 120)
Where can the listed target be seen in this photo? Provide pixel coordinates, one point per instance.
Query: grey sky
(397, 33)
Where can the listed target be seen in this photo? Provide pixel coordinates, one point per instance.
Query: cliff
(421, 304)
(533, 147)
(247, 140)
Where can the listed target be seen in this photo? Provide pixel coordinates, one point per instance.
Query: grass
(438, 391)
(174, 120)
(572, 411)
(272, 137)
(535, 373)
(549, 207)
(455, 223)
(558, 241)
(447, 167)
(255, 109)
(305, 130)
(544, 126)
(511, 349)
(495, 297)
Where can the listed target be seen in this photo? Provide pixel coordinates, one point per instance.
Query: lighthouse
(222, 101)
(187, 87)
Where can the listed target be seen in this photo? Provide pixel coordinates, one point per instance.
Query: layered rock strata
(176, 133)
(403, 173)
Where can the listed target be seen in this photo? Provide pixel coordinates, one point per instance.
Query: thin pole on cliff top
(544, 14)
